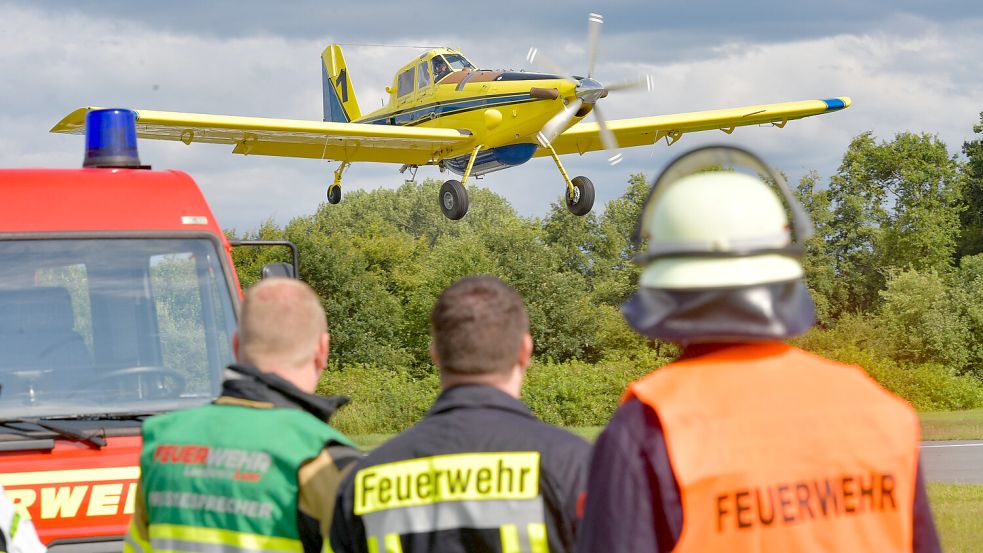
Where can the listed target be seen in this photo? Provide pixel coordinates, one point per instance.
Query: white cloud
(913, 75)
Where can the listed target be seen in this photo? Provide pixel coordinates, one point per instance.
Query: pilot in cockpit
(440, 68)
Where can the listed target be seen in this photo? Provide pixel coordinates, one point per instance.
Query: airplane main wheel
(583, 196)
(453, 200)
(334, 194)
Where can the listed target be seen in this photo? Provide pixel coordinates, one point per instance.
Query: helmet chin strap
(773, 311)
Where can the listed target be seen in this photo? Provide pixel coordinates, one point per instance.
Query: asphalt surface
(959, 462)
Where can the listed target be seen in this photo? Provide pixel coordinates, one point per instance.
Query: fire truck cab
(118, 301)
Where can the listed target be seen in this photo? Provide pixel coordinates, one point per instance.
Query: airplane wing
(289, 137)
(640, 131)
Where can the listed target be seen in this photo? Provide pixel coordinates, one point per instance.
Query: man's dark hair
(477, 326)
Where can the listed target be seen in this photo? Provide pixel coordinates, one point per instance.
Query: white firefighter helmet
(721, 228)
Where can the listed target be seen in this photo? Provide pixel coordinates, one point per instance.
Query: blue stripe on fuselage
(418, 114)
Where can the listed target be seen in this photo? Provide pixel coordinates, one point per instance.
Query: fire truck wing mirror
(278, 270)
(273, 270)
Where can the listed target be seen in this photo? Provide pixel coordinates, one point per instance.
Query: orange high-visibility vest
(776, 450)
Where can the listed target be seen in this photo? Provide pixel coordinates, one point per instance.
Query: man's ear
(433, 354)
(235, 346)
(321, 352)
(525, 351)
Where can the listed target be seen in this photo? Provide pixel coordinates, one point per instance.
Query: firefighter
(745, 443)
(255, 470)
(479, 472)
(17, 534)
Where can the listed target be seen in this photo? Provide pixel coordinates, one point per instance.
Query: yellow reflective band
(393, 545)
(62, 476)
(372, 543)
(457, 477)
(326, 548)
(14, 524)
(218, 536)
(134, 541)
(510, 538)
(537, 538)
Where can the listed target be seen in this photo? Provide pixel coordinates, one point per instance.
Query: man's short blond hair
(280, 323)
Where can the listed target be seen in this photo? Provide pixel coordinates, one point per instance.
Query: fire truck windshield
(92, 326)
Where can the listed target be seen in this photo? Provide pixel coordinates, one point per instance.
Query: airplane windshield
(440, 68)
(458, 62)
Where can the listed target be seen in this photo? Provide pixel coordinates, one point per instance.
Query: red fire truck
(117, 302)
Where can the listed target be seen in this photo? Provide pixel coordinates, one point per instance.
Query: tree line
(895, 268)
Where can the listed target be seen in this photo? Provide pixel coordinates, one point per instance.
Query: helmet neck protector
(772, 311)
(750, 312)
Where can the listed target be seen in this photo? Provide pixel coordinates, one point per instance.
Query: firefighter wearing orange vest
(745, 443)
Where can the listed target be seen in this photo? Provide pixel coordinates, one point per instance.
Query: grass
(958, 510)
(370, 441)
(936, 425)
(952, 425)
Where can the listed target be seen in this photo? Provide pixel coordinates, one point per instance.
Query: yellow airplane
(444, 111)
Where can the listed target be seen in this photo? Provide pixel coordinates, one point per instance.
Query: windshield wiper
(62, 430)
(123, 416)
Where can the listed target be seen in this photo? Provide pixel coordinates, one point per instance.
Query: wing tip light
(836, 104)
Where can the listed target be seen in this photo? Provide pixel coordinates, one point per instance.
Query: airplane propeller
(589, 91)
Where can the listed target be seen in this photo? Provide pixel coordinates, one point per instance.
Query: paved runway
(955, 462)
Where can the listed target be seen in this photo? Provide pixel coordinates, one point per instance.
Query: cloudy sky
(908, 66)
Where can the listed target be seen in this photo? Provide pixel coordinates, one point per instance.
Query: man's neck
(510, 383)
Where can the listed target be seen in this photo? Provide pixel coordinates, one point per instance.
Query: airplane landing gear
(580, 199)
(334, 191)
(453, 200)
(454, 195)
(580, 190)
(334, 194)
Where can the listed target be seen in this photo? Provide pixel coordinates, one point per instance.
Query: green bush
(923, 322)
(568, 394)
(383, 401)
(580, 394)
(927, 386)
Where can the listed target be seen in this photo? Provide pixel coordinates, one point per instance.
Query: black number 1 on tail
(342, 83)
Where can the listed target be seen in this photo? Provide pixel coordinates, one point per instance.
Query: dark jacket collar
(477, 396)
(767, 347)
(254, 385)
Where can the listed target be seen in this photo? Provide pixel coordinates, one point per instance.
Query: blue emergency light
(111, 139)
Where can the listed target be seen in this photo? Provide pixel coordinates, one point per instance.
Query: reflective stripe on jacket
(17, 534)
(239, 475)
(775, 449)
(478, 473)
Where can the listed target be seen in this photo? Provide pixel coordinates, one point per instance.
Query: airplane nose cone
(589, 90)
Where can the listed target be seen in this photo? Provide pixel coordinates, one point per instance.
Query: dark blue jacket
(465, 419)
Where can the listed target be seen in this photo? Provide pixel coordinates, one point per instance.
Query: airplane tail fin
(340, 104)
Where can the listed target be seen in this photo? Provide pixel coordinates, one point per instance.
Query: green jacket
(256, 470)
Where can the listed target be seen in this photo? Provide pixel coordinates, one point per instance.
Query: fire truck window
(404, 84)
(75, 279)
(423, 75)
(174, 282)
(95, 326)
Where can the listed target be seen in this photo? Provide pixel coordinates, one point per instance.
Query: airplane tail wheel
(453, 200)
(583, 196)
(334, 194)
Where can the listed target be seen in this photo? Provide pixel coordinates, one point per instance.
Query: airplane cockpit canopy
(446, 64)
